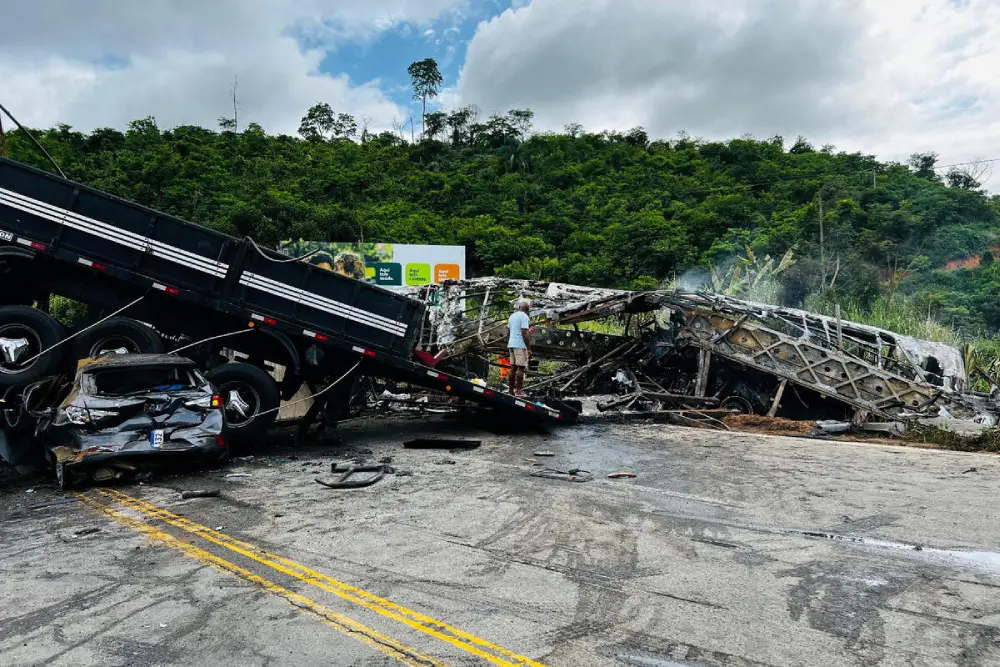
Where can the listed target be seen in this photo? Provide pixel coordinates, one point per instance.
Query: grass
(987, 441)
(893, 312)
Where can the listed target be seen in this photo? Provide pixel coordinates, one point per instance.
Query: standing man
(519, 344)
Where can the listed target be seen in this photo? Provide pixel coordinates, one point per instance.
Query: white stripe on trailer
(359, 350)
(84, 261)
(114, 234)
(322, 303)
(257, 279)
(162, 288)
(23, 241)
(519, 404)
(255, 316)
(478, 389)
(117, 234)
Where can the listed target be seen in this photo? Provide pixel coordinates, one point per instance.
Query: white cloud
(889, 77)
(93, 63)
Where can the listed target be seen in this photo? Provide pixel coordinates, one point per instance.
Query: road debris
(545, 453)
(622, 475)
(200, 493)
(86, 531)
(346, 473)
(441, 443)
(238, 475)
(572, 475)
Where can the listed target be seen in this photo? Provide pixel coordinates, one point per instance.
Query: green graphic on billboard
(389, 274)
(418, 274)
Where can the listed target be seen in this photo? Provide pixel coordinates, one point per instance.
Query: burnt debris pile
(700, 355)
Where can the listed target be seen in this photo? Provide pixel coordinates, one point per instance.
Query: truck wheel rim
(739, 404)
(115, 344)
(242, 403)
(18, 342)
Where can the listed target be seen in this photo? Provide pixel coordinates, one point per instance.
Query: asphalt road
(731, 550)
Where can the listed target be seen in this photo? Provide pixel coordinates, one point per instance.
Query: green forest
(616, 209)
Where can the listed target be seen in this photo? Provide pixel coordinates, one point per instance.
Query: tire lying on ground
(246, 391)
(24, 332)
(117, 334)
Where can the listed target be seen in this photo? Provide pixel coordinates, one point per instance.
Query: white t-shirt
(517, 321)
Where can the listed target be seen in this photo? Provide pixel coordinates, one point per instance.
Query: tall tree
(319, 120)
(426, 80)
(923, 165)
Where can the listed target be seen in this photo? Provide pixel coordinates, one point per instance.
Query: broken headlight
(205, 402)
(77, 415)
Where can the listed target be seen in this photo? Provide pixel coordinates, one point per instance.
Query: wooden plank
(704, 362)
(777, 398)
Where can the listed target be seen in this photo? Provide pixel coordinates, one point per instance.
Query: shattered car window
(125, 381)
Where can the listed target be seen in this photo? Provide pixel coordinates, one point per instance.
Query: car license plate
(156, 438)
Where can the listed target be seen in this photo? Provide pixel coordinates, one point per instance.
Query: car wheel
(247, 392)
(117, 334)
(24, 333)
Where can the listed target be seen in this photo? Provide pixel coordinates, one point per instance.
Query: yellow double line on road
(373, 638)
(435, 628)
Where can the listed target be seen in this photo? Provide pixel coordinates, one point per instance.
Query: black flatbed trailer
(61, 237)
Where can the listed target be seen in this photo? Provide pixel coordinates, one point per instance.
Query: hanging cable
(69, 338)
(318, 393)
(33, 140)
(280, 261)
(205, 340)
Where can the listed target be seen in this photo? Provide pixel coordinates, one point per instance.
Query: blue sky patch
(386, 57)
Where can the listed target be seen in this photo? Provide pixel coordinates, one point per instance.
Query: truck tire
(117, 333)
(246, 391)
(24, 332)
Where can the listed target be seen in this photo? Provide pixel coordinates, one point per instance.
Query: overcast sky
(888, 77)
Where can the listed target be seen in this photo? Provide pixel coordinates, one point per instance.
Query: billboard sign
(389, 265)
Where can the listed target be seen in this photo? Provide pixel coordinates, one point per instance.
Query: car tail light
(217, 402)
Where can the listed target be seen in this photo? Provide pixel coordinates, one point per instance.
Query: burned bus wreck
(666, 349)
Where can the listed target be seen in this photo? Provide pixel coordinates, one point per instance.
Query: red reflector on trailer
(528, 406)
(37, 246)
(172, 290)
(487, 393)
(369, 353)
(320, 337)
(270, 320)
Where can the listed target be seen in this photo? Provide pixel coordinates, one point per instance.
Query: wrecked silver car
(124, 413)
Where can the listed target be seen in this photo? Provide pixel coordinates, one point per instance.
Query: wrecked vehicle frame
(696, 350)
(122, 413)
